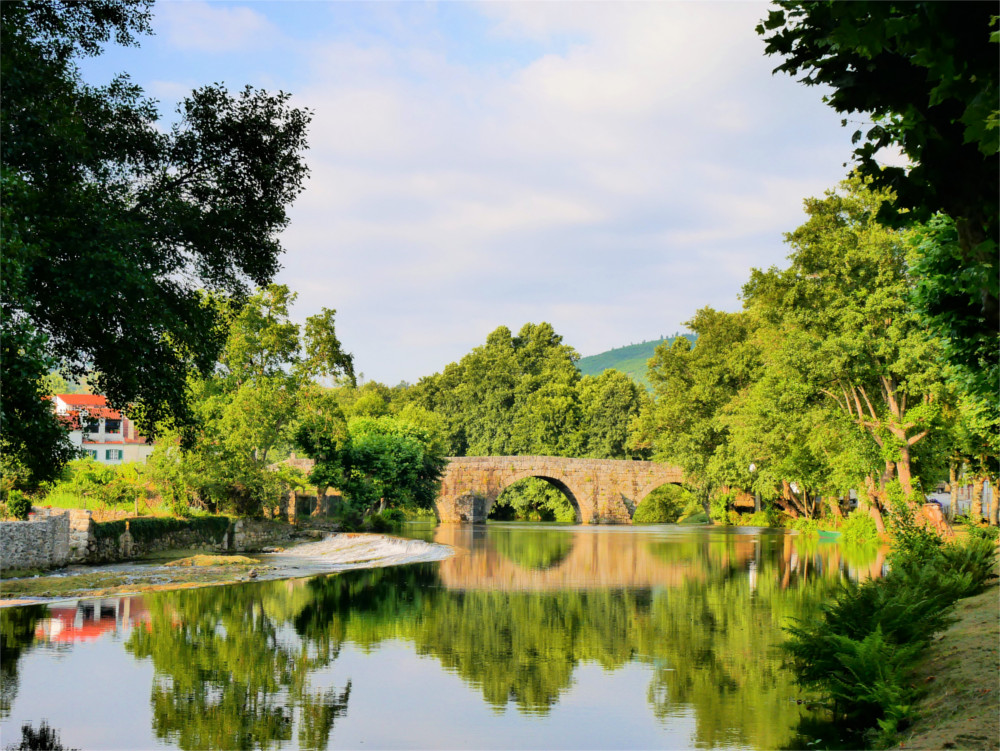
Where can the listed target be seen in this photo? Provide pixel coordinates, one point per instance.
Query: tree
(512, 395)
(260, 396)
(842, 320)
(384, 462)
(104, 210)
(691, 386)
(927, 72)
(609, 404)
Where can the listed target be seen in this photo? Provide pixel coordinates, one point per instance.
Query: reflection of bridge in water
(592, 559)
(603, 491)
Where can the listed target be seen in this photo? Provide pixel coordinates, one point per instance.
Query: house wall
(136, 452)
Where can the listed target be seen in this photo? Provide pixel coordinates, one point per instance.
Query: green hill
(630, 360)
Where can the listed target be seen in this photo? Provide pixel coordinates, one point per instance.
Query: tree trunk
(952, 490)
(791, 503)
(874, 505)
(904, 474)
(835, 509)
(976, 511)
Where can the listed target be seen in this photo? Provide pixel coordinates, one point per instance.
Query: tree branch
(871, 409)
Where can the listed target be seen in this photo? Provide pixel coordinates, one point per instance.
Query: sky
(610, 168)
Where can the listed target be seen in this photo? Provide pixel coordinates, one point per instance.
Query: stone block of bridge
(603, 491)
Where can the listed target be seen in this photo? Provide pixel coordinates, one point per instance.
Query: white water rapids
(341, 552)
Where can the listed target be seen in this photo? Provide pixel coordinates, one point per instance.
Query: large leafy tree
(927, 74)
(113, 225)
(261, 394)
(382, 461)
(512, 395)
(609, 406)
(846, 330)
(692, 387)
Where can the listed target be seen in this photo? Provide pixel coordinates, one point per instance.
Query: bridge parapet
(603, 491)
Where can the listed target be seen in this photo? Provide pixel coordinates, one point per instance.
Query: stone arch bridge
(603, 491)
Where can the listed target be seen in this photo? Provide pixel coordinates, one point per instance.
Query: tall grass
(68, 499)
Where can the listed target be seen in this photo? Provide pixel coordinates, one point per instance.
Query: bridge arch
(606, 491)
(556, 482)
(647, 489)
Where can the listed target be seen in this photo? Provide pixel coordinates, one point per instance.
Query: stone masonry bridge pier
(603, 491)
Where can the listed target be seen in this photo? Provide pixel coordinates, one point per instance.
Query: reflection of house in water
(86, 620)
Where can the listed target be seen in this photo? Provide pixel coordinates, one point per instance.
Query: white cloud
(212, 27)
(613, 184)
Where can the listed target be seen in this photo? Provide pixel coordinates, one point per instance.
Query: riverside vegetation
(867, 364)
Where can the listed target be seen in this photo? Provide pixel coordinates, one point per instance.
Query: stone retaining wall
(299, 505)
(40, 542)
(58, 537)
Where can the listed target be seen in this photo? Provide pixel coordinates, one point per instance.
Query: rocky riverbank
(181, 569)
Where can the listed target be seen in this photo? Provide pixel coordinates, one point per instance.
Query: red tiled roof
(106, 412)
(84, 400)
(139, 440)
(70, 419)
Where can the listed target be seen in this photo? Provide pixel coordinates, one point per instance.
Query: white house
(104, 433)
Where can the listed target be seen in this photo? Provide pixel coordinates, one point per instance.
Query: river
(531, 636)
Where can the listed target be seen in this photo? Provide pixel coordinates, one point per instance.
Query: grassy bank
(860, 653)
(961, 707)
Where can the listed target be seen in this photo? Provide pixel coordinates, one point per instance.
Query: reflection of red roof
(61, 626)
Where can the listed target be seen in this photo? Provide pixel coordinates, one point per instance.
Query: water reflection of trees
(17, 635)
(535, 549)
(225, 675)
(234, 665)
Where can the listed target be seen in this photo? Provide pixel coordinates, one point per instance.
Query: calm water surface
(533, 636)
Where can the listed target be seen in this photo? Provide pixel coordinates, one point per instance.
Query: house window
(92, 453)
(91, 425)
(112, 426)
(112, 455)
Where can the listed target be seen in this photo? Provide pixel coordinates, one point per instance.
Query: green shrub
(18, 504)
(766, 517)
(394, 515)
(386, 520)
(718, 507)
(664, 505)
(698, 517)
(859, 528)
(857, 650)
(805, 527)
(348, 518)
(869, 679)
(983, 532)
(911, 541)
(974, 558)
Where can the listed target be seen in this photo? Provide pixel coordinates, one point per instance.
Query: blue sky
(607, 167)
